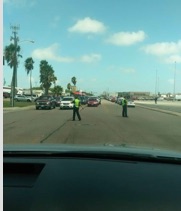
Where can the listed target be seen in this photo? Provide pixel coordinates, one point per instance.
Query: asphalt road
(99, 125)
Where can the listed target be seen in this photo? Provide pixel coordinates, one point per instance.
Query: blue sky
(108, 45)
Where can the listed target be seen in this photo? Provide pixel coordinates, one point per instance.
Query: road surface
(99, 125)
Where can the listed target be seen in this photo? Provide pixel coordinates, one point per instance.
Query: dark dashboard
(93, 179)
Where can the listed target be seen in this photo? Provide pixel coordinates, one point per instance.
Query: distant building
(35, 92)
(73, 89)
(18, 90)
(134, 95)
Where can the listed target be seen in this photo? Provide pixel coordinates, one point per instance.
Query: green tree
(47, 76)
(57, 90)
(74, 80)
(11, 54)
(69, 86)
(29, 67)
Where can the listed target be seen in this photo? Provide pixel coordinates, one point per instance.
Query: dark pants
(124, 111)
(76, 112)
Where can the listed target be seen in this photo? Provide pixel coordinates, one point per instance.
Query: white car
(131, 103)
(67, 103)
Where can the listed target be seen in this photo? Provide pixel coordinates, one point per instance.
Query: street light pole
(174, 81)
(156, 83)
(15, 63)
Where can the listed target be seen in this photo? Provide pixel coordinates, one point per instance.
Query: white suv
(66, 102)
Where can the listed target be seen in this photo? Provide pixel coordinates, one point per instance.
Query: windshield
(125, 54)
(92, 99)
(67, 99)
(44, 98)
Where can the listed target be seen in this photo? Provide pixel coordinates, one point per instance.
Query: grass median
(7, 104)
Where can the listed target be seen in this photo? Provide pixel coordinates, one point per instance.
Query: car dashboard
(89, 179)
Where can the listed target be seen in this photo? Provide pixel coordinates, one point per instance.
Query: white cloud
(126, 38)
(163, 48)
(50, 53)
(88, 25)
(90, 58)
(173, 58)
(168, 52)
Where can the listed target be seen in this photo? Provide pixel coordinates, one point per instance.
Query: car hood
(105, 151)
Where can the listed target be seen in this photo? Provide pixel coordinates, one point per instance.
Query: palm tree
(69, 86)
(74, 81)
(47, 76)
(57, 90)
(29, 67)
(11, 54)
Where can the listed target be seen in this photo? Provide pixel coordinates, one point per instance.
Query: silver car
(23, 98)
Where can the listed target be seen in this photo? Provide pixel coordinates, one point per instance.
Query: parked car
(6, 95)
(67, 103)
(92, 101)
(23, 98)
(47, 102)
(131, 103)
(34, 97)
(160, 99)
(99, 100)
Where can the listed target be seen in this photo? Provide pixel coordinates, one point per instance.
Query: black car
(47, 102)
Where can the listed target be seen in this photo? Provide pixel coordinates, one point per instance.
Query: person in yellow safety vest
(77, 104)
(124, 106)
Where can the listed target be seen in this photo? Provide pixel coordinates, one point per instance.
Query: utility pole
(156, 83)
(4, 83)
(15, 39)
(174, 81)
(15, 63)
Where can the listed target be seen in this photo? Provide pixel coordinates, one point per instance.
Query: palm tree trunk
(13, 86)
(31, 84)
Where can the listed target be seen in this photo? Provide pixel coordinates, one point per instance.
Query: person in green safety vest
(124, 106)
(76, 107)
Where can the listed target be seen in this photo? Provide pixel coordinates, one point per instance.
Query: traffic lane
(32, 126)
(100, 125)
(105, 125)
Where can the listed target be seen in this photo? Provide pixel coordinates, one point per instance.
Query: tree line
(47, 73)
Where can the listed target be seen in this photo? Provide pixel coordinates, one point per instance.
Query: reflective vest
(77, 103)
(124, 102)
